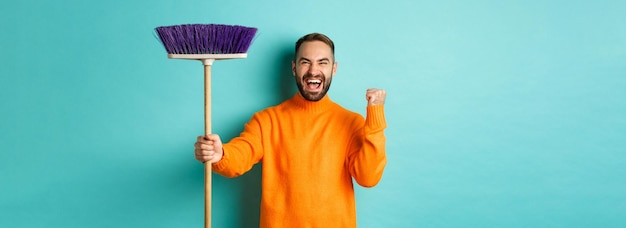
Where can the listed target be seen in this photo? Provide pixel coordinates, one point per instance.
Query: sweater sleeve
(367, 157)
(242, 152)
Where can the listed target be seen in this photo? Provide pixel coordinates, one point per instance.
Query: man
(311, 147)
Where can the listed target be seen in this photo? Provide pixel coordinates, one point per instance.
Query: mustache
(317, 76)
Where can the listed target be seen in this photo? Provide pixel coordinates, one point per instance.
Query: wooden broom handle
(207, 131)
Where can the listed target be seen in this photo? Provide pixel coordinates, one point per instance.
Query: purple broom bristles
(206, 38)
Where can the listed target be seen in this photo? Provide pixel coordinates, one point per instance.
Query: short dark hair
(316, 37)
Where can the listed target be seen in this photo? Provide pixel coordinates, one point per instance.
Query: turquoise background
(500, 113)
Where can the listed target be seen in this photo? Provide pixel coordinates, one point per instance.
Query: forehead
(314, 50)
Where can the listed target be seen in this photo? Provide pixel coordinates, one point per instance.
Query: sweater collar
(313, 106)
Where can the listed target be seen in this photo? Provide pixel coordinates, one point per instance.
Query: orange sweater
(310, 153)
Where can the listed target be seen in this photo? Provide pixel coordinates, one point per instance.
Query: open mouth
(313, 84)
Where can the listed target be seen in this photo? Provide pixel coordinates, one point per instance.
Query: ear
(334, 68)
(293, 68)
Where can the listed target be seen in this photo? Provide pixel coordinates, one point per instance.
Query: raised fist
(375, 96)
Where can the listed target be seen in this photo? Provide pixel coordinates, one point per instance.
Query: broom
(207, 43)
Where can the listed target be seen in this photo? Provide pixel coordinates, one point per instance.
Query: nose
(313, 69)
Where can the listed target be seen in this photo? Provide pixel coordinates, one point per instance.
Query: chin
(313, 96)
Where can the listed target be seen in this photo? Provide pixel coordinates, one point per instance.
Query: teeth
(317, 81)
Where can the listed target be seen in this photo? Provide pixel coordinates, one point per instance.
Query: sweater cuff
(375, 118)
(220, 165)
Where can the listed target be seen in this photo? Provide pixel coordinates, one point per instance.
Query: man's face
(314, 67)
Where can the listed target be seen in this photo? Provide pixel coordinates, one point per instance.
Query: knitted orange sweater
(310, 153)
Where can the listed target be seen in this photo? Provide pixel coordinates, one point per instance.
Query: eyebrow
(320, 60)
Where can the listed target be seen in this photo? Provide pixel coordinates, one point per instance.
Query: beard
(313, 96)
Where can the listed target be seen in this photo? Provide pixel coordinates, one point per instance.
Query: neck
(312, 106)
